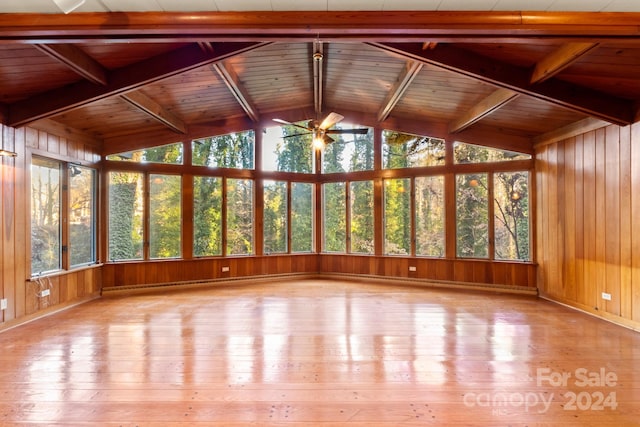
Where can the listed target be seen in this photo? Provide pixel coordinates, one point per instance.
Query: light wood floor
(319, 353)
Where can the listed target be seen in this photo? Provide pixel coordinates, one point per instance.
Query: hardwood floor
(320, 352)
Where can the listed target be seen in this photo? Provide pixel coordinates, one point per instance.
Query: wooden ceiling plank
(232, 81)
(408, 74)
(76, 59)
(122, 80)
(155, 110)
(559, 59)
(573, 97)
(482, 109)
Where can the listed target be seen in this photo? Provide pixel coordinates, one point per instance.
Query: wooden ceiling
(132, 79)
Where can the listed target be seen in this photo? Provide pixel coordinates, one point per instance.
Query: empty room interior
(269, 212)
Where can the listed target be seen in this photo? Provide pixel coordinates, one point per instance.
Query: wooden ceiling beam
(232, 81)
(482, 109)
(435, 26)
(76, 59)
(155, 110)
(122, 80)
(560, 59)
(408, 74)
(500, 74)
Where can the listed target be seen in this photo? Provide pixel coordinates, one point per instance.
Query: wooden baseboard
(47, 312)
(612, 318)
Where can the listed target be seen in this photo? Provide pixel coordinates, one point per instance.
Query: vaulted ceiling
(128, 78)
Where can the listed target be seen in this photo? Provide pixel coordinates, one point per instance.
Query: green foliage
(294, 151)
(234, 150)
(125, 226)
(302, 209)
(275, 217)
(165, 216)
(430, 216)
(361, 217)
(402, 150)
(472, 216)
(239, 216)
(207, 216)
(335, 217)
(397, 216)
(511, 211)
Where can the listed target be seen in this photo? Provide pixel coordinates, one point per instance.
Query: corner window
(82, 215)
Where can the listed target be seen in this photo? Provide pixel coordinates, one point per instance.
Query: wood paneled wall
(23, 300)
(588, 206)
(478, 272)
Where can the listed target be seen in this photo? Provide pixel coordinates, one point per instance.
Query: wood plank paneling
(24, 300)
(595, 183)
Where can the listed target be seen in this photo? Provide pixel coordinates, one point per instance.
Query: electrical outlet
(606, 296)
(45, 293)
(412, 268)
(225, 269)
(3, 304)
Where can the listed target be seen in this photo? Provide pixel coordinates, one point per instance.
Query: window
(63, 229)
(46, 232)
(361, 217)
(397, 216)
(82, 215)
(403, 150)
(167, 154)
(430, 216)
(165, 216)
(472, 216)
(207, 216)
(348, 152)
(125, 215)
(275, 217)
(334, 217)
(469, 153)
(239, 217)
(287, 148)
(511, 212)
(234, 150)
(302, 208)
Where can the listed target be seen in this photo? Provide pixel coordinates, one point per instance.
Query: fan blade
(296, 134)
(359, 131)
(327, 139)
(284, 122)
(330, 120)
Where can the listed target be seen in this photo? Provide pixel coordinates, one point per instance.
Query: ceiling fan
(322, 130)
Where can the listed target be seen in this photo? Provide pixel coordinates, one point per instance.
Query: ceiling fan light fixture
(318, 140)
(68, 6)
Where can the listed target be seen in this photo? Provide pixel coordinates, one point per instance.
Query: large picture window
(82, 215)
(233, 150)
(361, 217)
(334, 211)
(165, 216)
(472, 216)
(511, 212)
(126, 209)
(63, 227)
(348, 153)
(404, 150)
(207, 216)
(397, 216)
(275, 217)
(302, 208)
(46, 232)
(430, 216)
(240, 217)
